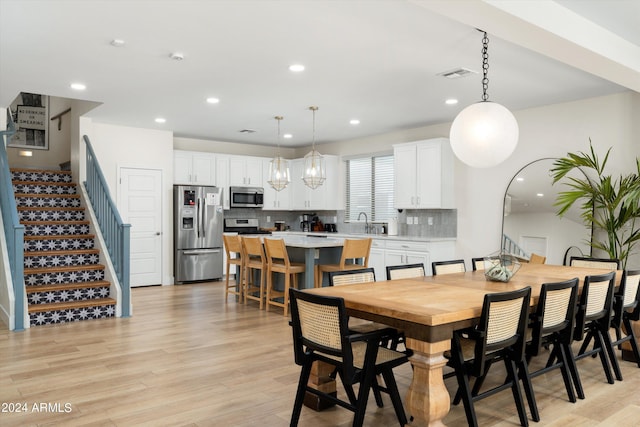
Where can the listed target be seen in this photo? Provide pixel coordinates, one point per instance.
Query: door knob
(158, 233)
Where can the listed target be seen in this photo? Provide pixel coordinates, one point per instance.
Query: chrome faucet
(366, 222)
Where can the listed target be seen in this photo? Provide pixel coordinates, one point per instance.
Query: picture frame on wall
(31, 117)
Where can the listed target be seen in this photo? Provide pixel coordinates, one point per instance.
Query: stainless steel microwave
(246, 197)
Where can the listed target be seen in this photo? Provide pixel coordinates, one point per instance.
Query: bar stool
(352, 250)
(233, 246)
(278, 262)
(254, 260)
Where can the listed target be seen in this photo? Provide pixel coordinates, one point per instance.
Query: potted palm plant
(609, 205)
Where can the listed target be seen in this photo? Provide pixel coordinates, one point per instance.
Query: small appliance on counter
(280, 225)
(330, 228)
(392, 227)
(306, 223)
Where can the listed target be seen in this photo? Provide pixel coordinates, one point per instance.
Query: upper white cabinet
(275, 200)
(424, 174)
(222, 179)
(245, 171)
(325, 197)
(193, 167)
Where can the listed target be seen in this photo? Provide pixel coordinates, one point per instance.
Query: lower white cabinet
(398, 252)
(403, 252)
(376, 259)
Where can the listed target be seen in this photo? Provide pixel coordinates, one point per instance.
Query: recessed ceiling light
(177, 56)
(117, 42)
(354, 121)
(78, 86)
(540, 195)
(160, 120)
(213, 100)
(519, 179)
(287, 136)
(451, 101)
(296, 68)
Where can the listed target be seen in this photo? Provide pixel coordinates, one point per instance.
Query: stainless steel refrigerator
(197, 233)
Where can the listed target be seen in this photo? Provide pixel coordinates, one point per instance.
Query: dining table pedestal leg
(320, 379)
(428, 400)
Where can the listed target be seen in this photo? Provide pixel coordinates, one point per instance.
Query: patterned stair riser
(46, 215)
(67, 260)
(44, 189)
(72, 315)
(48, 278)
(67, 295)
(47, 202)
(40, 176)
(55, 229)
(58, 244)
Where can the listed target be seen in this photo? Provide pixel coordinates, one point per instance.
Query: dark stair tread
(67, 252)
(56, 223)
(44, 183)
(38, 308)
(51, 171)
(62, 286)
(65, 268)
(47, 195)
(49, 208)
(61, 236)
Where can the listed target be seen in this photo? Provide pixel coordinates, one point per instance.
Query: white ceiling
(375, 60)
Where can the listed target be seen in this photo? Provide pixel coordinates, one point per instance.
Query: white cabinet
(194, 167)
(400, 252)
(222, 179)
(376, 259)
(424, 175)
(275, 200)
(245, 171)
(325, 197)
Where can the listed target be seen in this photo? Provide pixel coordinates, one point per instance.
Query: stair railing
(13, 230)
(115, 232)
(511, 247)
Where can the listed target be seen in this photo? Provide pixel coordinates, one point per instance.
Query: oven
(246, 197)
(243, 226)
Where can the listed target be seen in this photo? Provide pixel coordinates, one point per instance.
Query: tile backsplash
(411, 222)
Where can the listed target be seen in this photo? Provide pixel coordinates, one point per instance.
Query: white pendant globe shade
(279, 176)
(484, 134)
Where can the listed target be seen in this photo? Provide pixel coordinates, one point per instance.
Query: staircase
(64, 281)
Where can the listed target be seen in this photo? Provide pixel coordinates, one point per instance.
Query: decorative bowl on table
(500, 267)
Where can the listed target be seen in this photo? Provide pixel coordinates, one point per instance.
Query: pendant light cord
(313, 140)
(485, 67)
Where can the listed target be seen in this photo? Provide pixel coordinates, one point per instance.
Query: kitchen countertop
(320, 234)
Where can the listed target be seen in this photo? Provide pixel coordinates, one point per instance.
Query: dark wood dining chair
(593, 320)
(626, 309)
(499, 336)
(604, 263)
(405, 271)
(321, 333)
(448, 267)
(551, 327)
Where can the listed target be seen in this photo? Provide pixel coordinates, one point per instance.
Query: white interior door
(141, 206)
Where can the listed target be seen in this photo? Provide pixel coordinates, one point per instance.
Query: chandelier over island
(315, 172)
(279, 176)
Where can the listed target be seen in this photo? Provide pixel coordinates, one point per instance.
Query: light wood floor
(189, 358)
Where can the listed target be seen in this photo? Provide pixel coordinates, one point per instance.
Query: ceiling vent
(247, 131)
(457, 73)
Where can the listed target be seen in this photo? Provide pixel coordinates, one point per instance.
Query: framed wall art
(31, 116)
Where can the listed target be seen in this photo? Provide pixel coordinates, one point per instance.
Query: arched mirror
(530, 224)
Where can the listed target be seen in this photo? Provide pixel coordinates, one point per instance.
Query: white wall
(121, 146)
(230, 148)
(549, 131)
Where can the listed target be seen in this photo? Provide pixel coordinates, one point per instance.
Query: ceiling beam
(550, 29)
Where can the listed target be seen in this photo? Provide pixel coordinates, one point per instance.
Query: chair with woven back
(233, 250)
(477, 263)
(278, 262)
(254, 260)
(321, 333)
(405, 271)
(448, 267)
(499, 336)
(593, 318)
(626, 308)
(354, 251)
(551, 326)
(588, 262)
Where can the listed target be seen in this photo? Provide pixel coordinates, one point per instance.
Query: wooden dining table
(428, 309)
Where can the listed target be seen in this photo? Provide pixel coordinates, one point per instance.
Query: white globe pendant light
(485, 133)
